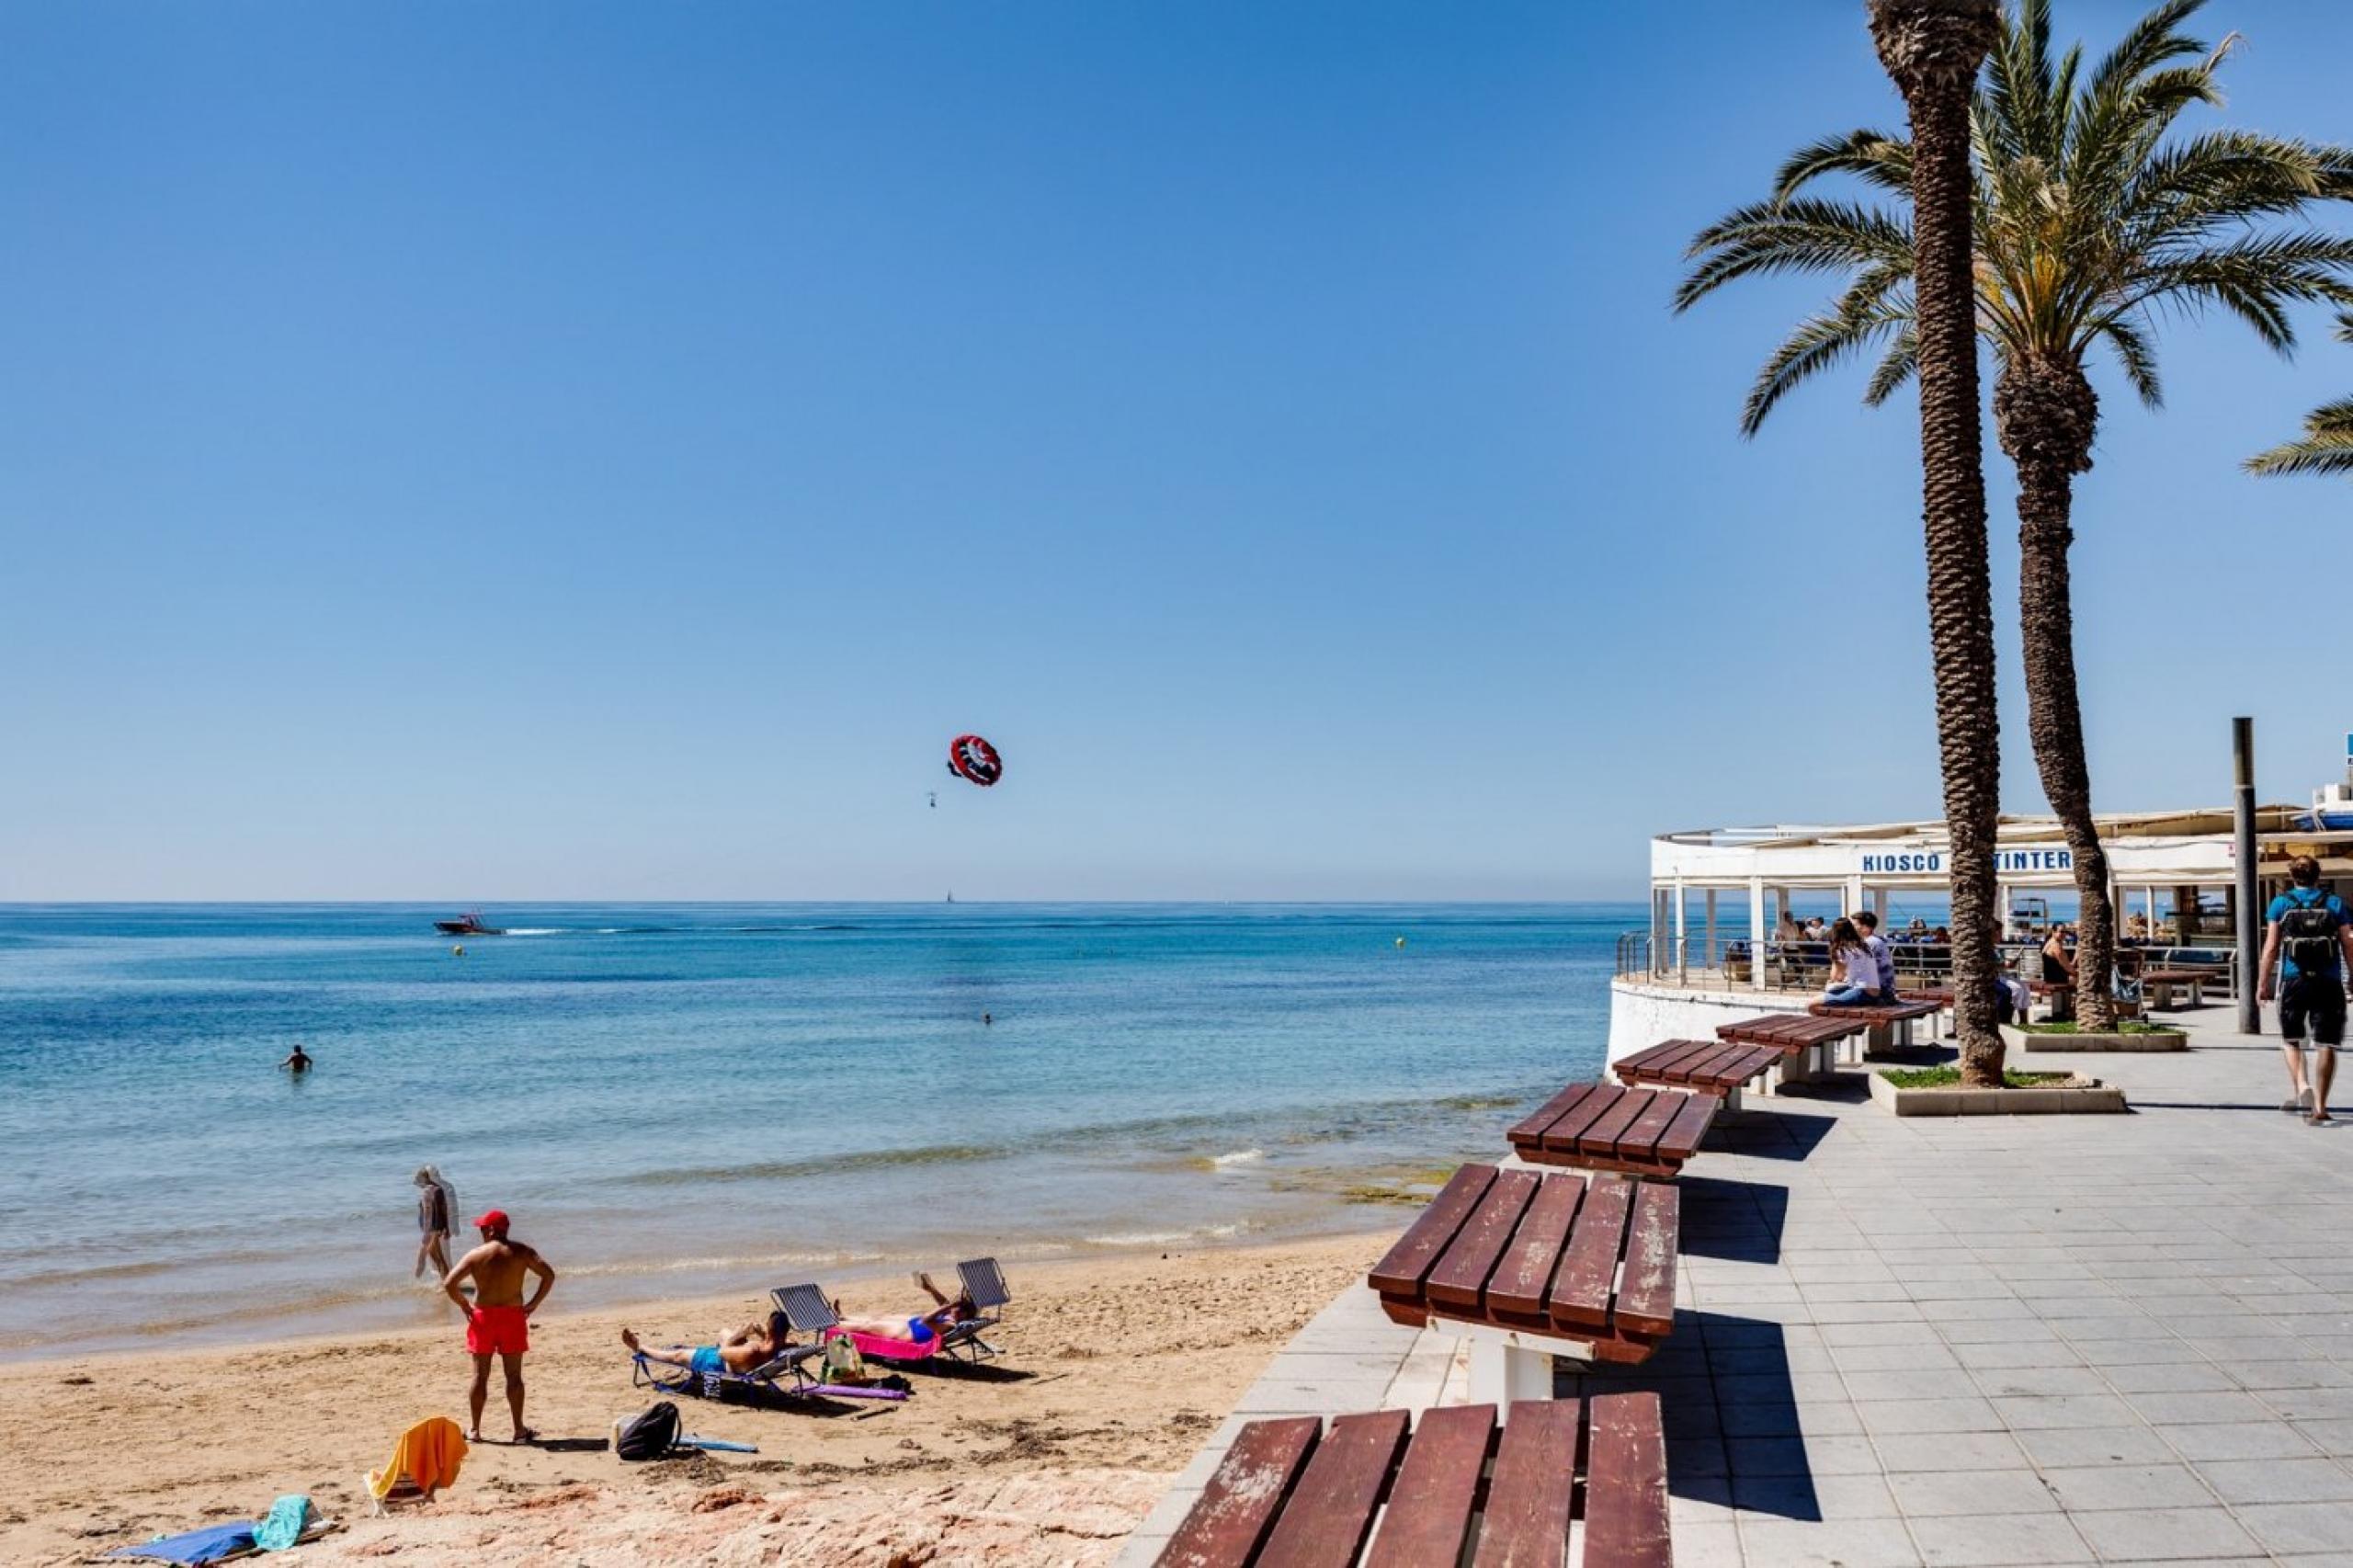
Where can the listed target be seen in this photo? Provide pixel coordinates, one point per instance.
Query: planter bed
(2043, 1038)
(2052, 1094)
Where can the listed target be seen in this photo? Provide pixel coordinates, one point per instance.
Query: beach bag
(649, 1434)
(843, 1364)
(2308, 936)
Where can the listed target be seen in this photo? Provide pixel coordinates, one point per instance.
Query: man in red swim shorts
(497, 1317)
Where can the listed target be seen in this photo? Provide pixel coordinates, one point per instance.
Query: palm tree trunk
(1932, 49)
(2046, 415)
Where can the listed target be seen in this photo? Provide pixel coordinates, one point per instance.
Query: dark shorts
(2312, 1006)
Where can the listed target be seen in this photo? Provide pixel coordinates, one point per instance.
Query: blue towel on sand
(209, 1545)
(284, 1526)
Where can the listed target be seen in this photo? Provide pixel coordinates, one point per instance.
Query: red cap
(492, 1220)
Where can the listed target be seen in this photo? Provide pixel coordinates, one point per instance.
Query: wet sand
(1114, 1371)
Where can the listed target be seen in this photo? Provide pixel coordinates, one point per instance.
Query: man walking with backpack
(2310, 939)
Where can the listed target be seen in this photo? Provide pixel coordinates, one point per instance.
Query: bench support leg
(1732, 1099)
(1880, 1038)
(1503, 1373)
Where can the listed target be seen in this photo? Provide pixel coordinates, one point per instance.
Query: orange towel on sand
(428, 1455)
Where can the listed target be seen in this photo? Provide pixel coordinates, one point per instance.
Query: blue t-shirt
(2294, 898)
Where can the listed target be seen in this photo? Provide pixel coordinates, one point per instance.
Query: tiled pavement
(1982, 1340)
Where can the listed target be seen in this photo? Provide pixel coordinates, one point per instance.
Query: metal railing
(1726, 961)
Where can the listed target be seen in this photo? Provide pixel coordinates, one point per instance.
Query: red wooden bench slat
(1333, 1503)
(1530, 1129)
(1683, 1135)
(1429, 1508)
(1646, 1292)
(1660, 1061)
(1460, 1277)
(1404, 1266)
(1534, 1488)
(1711, 1068)
(1640, 1061)
(1569, 1133)
(1581, 1286)
(1675, 1053)
(1765, 1030)
(1238, 1507)
(1525, 1272)
(1625, 1488)
(1601, 1138)
(1640, 1141)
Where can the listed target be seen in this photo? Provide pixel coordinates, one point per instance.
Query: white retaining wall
(1643, 1015)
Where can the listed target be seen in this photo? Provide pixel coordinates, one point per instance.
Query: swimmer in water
(298, 1063)
(986, 1019)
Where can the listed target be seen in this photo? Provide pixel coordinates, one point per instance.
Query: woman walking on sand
(435, 1201)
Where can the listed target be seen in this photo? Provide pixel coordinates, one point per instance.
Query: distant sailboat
(952, 895)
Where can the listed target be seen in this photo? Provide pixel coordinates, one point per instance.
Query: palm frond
(2327, 446)
(1871, 155)
(1803, 235)
(1819, 343)
(2137, 360)
(1900, 364)
(2146, 44)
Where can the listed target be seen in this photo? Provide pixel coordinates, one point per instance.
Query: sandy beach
(1118, 1367)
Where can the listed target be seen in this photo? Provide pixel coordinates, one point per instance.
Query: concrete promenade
(1982, 1340)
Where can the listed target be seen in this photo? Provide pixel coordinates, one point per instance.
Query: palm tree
(1931, 49)
(2090, 218)
(2327, 446)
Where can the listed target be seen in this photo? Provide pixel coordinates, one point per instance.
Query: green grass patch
(1949, 1078)
(2124, 1026)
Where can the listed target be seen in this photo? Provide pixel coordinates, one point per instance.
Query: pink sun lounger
(807, 1310)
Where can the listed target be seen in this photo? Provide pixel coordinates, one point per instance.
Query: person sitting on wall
(1883, 993)
(1854, 969)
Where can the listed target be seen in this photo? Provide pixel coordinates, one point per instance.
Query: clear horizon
(610, 453)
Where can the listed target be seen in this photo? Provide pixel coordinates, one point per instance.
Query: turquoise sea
(686, 1097)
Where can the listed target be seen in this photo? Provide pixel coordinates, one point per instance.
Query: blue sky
(548, 451)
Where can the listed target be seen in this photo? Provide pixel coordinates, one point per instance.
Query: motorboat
(467, 924)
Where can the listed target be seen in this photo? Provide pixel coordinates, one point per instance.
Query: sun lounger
(807, 1310)
(778, 1384)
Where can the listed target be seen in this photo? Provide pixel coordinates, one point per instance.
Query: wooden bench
(2059, 994)
(1890, 1025)
(1709, 1067)
(1527, 1267)
(1938, 997)
(2157, 986)
(1602, 1127)
(1809, 1043)
(1461, 1489)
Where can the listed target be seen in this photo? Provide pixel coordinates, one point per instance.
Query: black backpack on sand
(650, 1434)
(2307, 937)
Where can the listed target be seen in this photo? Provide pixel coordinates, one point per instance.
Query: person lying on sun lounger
(922, 1328)
(754, 1345)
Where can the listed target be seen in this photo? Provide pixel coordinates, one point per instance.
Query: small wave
(691, 1264)
(141, 1270)
(820, 1164)
(1226, 1162)
(1167, 1238)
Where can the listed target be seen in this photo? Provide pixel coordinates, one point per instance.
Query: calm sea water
(686, 1097)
